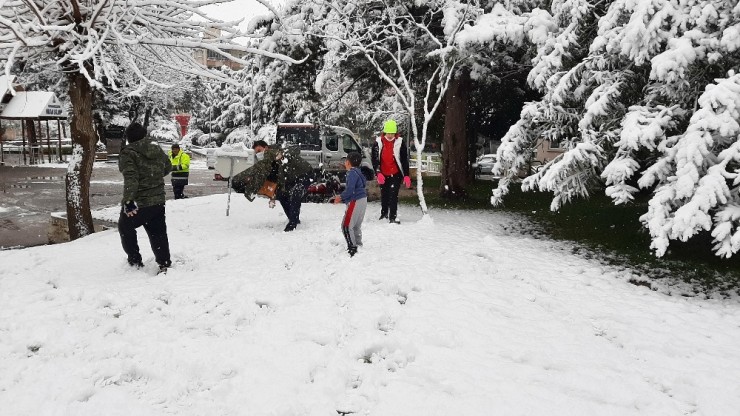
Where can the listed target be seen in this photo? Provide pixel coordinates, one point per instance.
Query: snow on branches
(705, 167)
(96, 38)
(559, 48)
(640, 93)
(642, 128)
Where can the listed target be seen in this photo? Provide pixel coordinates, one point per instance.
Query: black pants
(291, 199)
(178, 187)
(389, 196)
(153, 220)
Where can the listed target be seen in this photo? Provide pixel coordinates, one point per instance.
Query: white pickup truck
(324, 147)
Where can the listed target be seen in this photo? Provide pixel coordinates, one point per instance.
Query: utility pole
(251, 105)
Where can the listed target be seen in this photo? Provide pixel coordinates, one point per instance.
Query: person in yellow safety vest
(180, 170)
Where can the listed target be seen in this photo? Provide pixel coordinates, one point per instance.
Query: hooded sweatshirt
(143, 165)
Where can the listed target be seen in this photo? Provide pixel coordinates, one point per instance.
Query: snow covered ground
(445, 317)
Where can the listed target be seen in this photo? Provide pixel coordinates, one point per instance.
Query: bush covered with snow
(166, 131)
(209, 140)
(239, 135)
(267, 133)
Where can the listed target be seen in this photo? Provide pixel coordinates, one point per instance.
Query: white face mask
(260, 155)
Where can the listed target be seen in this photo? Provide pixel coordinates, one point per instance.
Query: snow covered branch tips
(639, 94)
(94, 42)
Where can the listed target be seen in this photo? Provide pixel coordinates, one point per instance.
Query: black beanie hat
(135, 132)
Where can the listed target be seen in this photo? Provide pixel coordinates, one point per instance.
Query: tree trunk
(77, 181)
(147, 115)
(455, 143)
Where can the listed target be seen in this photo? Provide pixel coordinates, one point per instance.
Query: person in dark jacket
(180, 170)
(355, 196)
(144, 166)
(390, 158)
(284, 166)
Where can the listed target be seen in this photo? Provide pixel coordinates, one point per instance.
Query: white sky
(235, 10)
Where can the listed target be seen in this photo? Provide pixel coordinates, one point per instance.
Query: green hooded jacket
(143, 165)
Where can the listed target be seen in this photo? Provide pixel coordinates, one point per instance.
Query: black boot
(136, 263)
(163, 267)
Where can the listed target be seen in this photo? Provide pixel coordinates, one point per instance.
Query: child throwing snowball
(355, 196)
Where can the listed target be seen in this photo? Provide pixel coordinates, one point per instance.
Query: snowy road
(31, 193)
(445, 317)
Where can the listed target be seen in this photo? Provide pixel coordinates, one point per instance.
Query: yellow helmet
(390, 127)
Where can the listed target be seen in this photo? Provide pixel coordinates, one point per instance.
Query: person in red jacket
(391, 163)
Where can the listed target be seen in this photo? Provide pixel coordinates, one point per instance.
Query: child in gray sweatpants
(355, 196)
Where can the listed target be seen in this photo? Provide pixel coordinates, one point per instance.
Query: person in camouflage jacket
(143, 165)
(284, 166)
(250, 180)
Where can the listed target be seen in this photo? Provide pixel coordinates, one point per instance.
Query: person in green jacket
(284, 166)
(144, 166)
(180, 170)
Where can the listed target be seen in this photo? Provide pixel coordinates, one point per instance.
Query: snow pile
(442, 317)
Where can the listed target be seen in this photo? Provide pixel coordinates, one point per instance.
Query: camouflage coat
(284, 166)
(143, 165)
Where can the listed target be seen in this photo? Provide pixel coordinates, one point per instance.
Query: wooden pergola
(36, 106)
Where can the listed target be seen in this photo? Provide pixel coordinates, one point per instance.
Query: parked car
(484, 164)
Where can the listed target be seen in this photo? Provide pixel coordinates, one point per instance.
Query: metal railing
(429, 164)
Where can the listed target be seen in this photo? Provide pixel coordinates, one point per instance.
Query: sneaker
(162, 270)
(383, 217)
(394, 221)
(352, 251)
(290, 227)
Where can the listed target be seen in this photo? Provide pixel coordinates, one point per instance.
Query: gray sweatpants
(352, 222)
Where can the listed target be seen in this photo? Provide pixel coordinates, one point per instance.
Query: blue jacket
(355, 186)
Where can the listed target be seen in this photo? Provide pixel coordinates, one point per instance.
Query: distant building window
(213, 55)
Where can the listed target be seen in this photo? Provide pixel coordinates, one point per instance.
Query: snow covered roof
(37, 105)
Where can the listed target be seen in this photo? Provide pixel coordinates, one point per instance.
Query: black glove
(130, 208)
